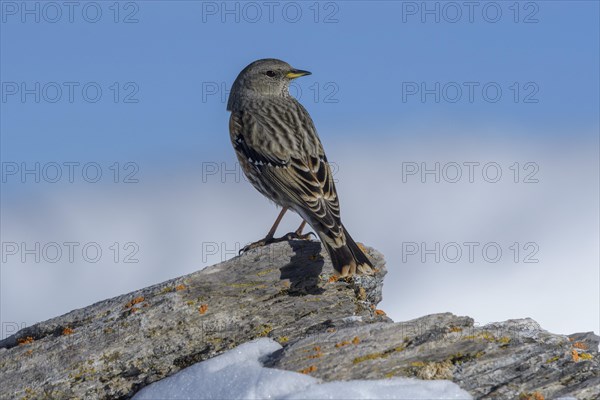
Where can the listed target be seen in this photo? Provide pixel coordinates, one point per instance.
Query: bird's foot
(297, 236)
(284, 238)
(257, 244)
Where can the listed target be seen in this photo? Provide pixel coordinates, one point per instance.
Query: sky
(114, 137)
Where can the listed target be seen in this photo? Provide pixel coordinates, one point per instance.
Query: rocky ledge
(329, 329)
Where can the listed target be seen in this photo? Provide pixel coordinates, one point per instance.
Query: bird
(281, 154)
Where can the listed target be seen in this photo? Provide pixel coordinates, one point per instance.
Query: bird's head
(267, 77)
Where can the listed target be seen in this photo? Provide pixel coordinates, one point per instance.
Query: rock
(329, 328)
(111, 349)
(508, 360)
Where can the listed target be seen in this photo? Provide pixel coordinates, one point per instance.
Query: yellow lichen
(342, 343)
(247, 285)
(264, 330)
(362, 293)
(436, 370)
(375, 356)
(487, 336)
(265, 272)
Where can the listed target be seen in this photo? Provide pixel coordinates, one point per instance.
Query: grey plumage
(282, 156)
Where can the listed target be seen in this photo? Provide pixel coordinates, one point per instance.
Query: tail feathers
(349, 259)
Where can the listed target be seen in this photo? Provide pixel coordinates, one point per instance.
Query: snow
(239, 374)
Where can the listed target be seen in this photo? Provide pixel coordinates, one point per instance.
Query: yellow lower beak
(296, 73)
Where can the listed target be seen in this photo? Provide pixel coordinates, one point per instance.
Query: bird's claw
(284, 238)
(255, 245)
(299, 236)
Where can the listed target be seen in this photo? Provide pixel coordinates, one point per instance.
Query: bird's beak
(296, 73)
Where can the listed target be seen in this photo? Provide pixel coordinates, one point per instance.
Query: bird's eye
(270, 74)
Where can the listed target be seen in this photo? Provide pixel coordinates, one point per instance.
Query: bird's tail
(348, 259)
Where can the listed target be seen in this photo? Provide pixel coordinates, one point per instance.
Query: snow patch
(239, 374)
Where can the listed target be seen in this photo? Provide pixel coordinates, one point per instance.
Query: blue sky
(367, 56)
(162, 108)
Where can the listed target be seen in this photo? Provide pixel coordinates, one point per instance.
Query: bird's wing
(293, 162)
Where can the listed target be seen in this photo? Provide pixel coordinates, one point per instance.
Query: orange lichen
(342, 344)
(531, 396)
(134, 301)
(333, 278)
(356, 340)
(308, 370)
(580, 345)
(67, 331)
(317, 348)
(455, 329)
(203, 308)
(316, 355)
(180, 287)
(379, 312)
(25, 340)
(575, 355)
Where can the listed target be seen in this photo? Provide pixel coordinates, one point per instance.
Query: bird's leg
(273, 229)
(300, 228)
(269, 238)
